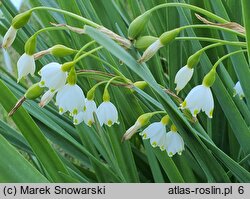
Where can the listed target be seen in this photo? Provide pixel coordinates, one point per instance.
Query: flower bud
(137, 25)
(141, 121)
(21, 19)
(30, 45)
(140, 84)
(193, 60)
(9, 37)
(34, 91)
(144, 42)
(168, 36)
(61, 50)
(209, 79)
(150, 51)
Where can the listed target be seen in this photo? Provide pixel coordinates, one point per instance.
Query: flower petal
(182, 77)
(25, 65)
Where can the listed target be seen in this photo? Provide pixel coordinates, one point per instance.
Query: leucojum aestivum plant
(59, 81)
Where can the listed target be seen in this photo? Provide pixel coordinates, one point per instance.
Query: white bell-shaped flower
(107, 113)
(156, 132)
(52, 76)
(89, 109)
(70, 98)
(9, 37)
(174, 143)
(199, 98)
(238, 90)
(182, 77)
(25, 65)
(78, 118)
(47, 97)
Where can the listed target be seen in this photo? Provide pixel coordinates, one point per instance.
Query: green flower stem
(49, 29)
(159, 112)
(87, 54)
(242, 44)
(106, 96)
(91, 92)
(83, 48)
(33, 44)
(210, 46)
(225, 57)
(213, 27)
(246, 16)
(75, 16)
(118, 73)
(191, 7)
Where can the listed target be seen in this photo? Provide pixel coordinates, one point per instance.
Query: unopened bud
(140, 84)
(141, 121)
(144, 42)
(137, 25)
(209, 79)
(34, 91)
(21, 19)
(150, 51)
(61, 50)
(47, 97)
(169, 36)
(9, 37)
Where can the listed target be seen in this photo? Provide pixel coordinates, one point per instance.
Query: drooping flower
(199, 98)
(47, 97)
(107, 113)
(52, 76)
(174, 142)
(89, 109)
(9, 37)
(238, 90)
(70, 98)
(25, 65)
(182, 77)
(156, 132)
(78, 118)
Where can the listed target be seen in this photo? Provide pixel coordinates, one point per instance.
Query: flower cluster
(170, 141)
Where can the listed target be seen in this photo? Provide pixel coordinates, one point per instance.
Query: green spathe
(141, 84)
(144, 42)
(137, 25)
(34, 91)
(168, 36)
(61, 50)
(21, 19)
